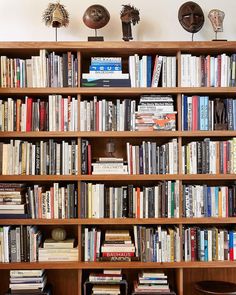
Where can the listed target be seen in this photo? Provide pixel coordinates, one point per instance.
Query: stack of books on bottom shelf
(152, 283)
(58, 250)
(28, 282)
(117, 246)
(108, 276)
(109, 282)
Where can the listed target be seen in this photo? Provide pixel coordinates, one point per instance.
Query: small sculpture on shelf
(96, 17)
(129, 14)
(191, 17)
(58, 234)
(216, 17)
(220, 114)
(56, 16)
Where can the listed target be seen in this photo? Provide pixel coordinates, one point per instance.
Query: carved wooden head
(191, 17)
(96, 16)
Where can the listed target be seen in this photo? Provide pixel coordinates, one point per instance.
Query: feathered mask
(56, 15)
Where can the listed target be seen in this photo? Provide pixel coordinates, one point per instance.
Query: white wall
(21, 20)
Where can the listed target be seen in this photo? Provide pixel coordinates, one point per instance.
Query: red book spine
(208, 70)
(29, 102)
(219, 71)
(97, 116)
(193, 244)
(42, 116)
(69, 113)
(118, 254)
(89, 159)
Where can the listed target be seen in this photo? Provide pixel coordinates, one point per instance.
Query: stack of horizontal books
(152, 283)
(155, 112)
(117, 245)
(12, 200)
(108, 276)
(58, 250)
(105, 72)
(28, 282)
(109, 165)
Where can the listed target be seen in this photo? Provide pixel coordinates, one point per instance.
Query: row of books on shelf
(20, 201)
(204, 113)
(43, 70)
(146, 158)
(52, 158)
(153, 112)
(50, 69)
(159, 244)
(128, 201)
(208, 71)
(209, 201)
(39, 158)
(150, 244)
(17, 200)
(144, 243)
(209, 244)
(142, 75)
(209, 157)
(55, 114)
(26, 244)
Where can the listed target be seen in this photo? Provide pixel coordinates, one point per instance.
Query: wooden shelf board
(120, 221)
(39, 134)
(129, 221)
(128, 134)
(38, 221)
(157, 221)
(40, 265)
(84, 46)
(117, 265)
(141, 265)
(117, 177)
(118, 90)
(208, 177)
(38, 178)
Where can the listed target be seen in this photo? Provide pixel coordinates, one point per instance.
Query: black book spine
(124, 202)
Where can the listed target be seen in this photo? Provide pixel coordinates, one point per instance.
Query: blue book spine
(205, 200)
(206, 117)
(201, 112)
(209, 201)
(149, 70)
(107, 67)
(205, 245)
(231, 241)
(185, 112)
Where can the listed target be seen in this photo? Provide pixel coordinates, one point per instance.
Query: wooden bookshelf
(67, 277)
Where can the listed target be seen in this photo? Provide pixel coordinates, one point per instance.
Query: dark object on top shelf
(215, 287)
(96, 17)
(191, 17)
(220, 115)
(129, 14)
